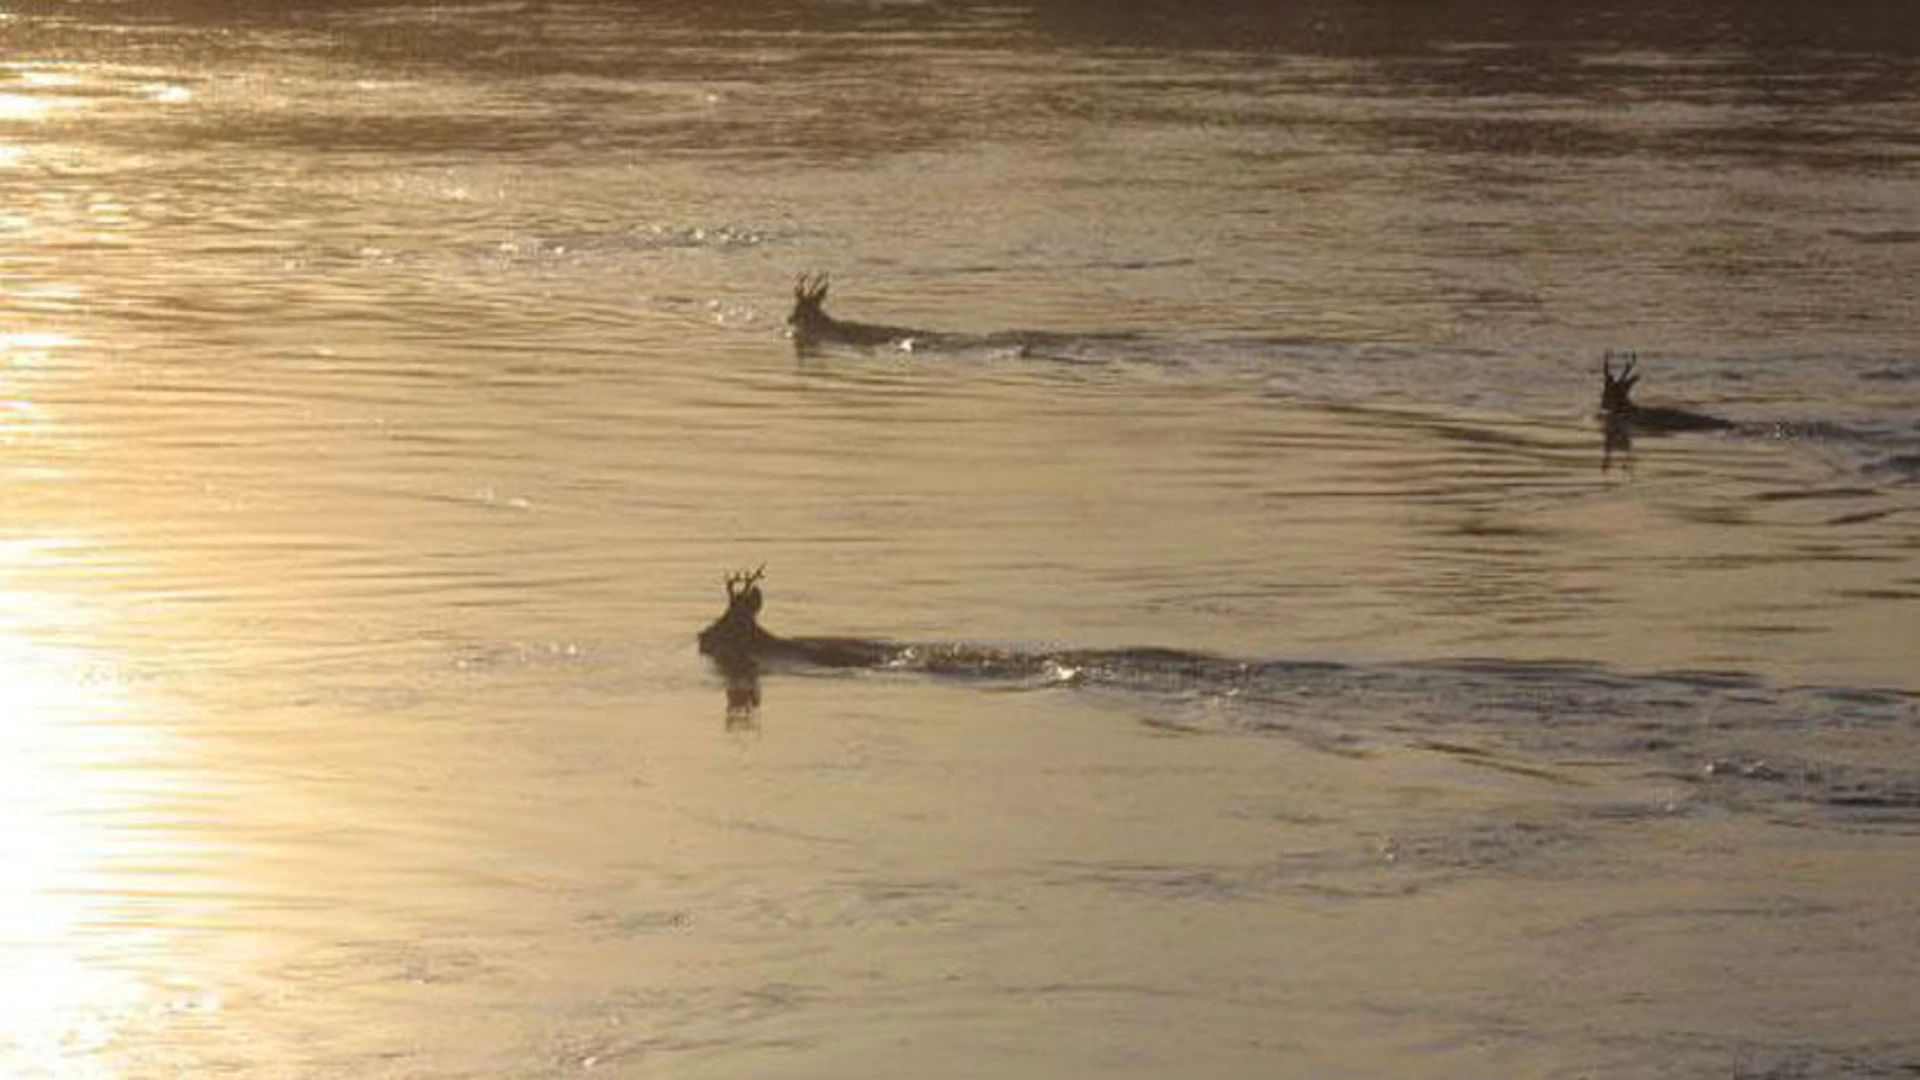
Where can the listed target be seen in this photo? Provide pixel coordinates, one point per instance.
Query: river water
(386, 389)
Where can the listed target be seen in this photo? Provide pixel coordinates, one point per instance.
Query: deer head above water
(1616, 401)
(809, 319)
(736, 634)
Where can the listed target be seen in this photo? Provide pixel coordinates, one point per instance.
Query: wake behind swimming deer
(813, 327)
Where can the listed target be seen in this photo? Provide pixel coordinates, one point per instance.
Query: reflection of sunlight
(35, 105)
(77, 791)
(28, 341)
(20, 351)
(48, 77)
(51, 1003)
(24, 107)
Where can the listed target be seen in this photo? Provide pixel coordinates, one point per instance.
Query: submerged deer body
(739, 644)
(812, 326)
(1623, 418)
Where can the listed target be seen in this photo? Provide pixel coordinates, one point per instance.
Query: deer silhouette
(738, 643)
(812, 326)
(1623, 417)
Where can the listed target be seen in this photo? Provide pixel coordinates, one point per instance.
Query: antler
(740, 581)
(1628, 359)
(810, 288)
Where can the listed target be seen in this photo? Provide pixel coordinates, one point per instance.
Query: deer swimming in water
(738, 643)
(812, 325)
(741, 648)
(1623, 418)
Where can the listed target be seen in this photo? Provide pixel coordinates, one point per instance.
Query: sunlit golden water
(384, 391)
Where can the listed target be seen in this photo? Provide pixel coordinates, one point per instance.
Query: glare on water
(89, 794)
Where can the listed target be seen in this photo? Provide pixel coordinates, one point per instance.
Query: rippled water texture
(1290, 683)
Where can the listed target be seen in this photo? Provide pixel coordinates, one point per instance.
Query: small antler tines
(739, 581)
(810, 288)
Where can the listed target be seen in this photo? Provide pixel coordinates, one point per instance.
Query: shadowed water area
(1258, 663)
